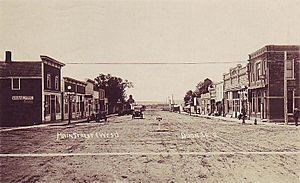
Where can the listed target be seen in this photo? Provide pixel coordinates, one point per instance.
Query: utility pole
(172, 99)
(285, 92)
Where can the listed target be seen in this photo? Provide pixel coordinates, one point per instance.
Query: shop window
(15, 83)
(78, 107)
(47, 104)
(290, 99)
(73, 107)
(259, 104)
(230, 106)
(57, 105)
(237, 105)
(253, 102)
(235, 95)
(66, 108)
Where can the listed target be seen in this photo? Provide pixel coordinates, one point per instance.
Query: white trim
(294, 101)
(52, 64)
(22, 77)
(274, 96)
(12, 84)
(52, 92)
(43, 93)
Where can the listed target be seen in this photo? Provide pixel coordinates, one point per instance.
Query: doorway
(52, 108)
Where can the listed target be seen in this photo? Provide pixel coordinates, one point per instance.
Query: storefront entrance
(52, 108)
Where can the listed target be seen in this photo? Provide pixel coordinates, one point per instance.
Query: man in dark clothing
(243, 115)
(296, 116)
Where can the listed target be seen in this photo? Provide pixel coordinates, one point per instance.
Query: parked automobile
(99, 116)
(137, 112)
(125, 112)
(175, 108)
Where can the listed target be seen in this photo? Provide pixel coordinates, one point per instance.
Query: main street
(181, 148)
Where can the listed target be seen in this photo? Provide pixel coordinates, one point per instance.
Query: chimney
(8, 56)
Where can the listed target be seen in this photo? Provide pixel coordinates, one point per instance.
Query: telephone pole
(285, 92)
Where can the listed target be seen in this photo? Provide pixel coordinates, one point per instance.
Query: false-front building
(235, 90)
(74, 98)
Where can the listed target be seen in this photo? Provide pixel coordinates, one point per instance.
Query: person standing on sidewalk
(243, 111)
(296, 116)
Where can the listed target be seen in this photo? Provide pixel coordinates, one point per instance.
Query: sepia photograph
(134, 91)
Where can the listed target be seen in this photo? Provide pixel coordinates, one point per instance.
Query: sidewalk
(237, 120)
(61, 123)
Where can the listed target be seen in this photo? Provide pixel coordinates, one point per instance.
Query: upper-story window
(290, 64)
(252, 73)
(101, 94)
(49, 81)
(56, 82)
(15, 83)
(264, 68)
(258, 70)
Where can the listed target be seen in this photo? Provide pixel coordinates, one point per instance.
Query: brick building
(30, 91)
(235, 90)
(266, 81)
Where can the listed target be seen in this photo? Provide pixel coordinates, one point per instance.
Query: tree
(202, 87)
(115, 88)
(188, 97)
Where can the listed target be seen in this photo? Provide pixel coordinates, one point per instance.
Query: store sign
(22, 98)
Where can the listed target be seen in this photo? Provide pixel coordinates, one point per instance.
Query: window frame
(12, 84)
(292, 70)
(56, 83)
(48, 81)
(258, 70)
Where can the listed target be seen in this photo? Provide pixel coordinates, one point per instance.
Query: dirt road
(181, 149)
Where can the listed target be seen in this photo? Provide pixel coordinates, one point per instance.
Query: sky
(147, 31)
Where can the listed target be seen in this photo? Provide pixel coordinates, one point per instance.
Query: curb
(62, 123)
(238, 121)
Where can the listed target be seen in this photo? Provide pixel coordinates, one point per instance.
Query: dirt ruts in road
(145, 135)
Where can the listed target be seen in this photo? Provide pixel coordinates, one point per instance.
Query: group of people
(243, 116)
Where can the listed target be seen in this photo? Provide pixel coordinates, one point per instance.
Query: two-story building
(269, 67)
(90, 95)
(51, 83)
(95, 98)
(102, 99)
(30, 91)
(205, 105)
(74, 98)
(219, 98)
(235, 90)
(212, 94)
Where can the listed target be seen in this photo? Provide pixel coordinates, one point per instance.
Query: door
(52, 108)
